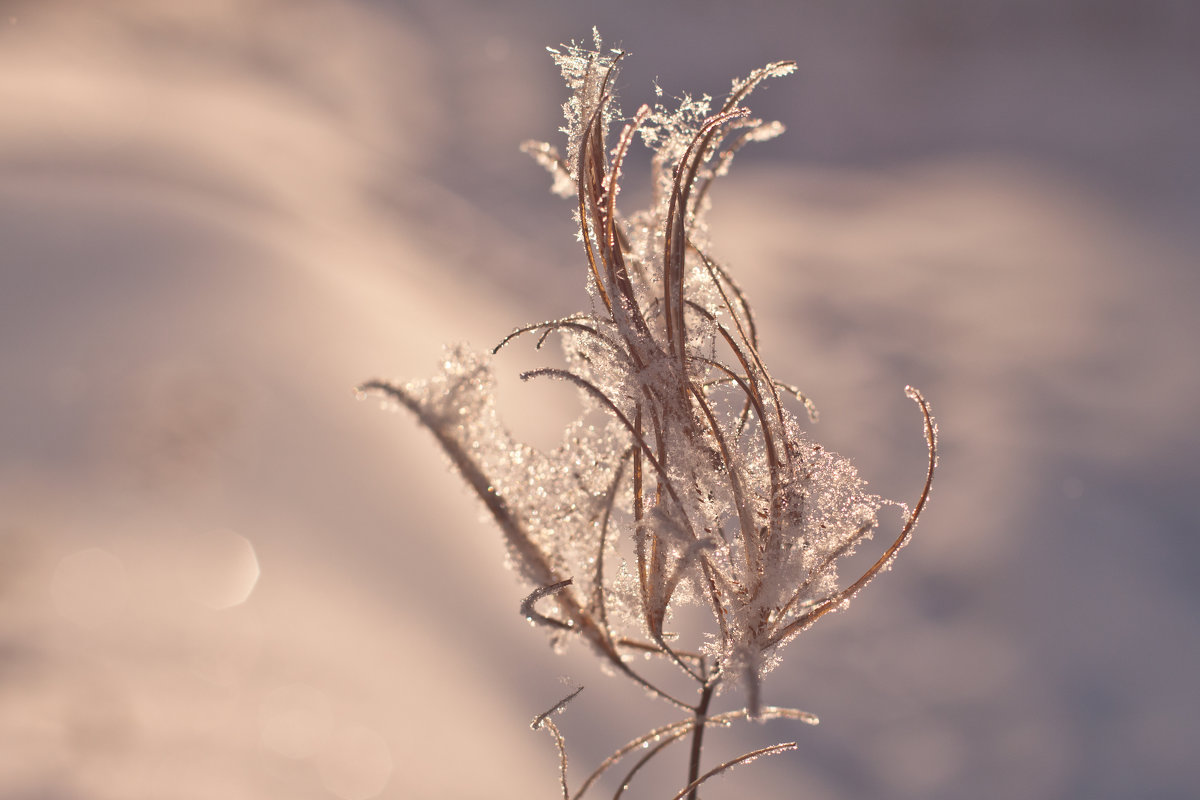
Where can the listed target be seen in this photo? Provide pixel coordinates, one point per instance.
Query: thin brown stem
(533, 615)
(677, 730)
(643, 761)
(698, 739)
(733, 762)
(836, 600)
(598, 598)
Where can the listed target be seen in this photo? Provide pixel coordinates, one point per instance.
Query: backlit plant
(687, 479)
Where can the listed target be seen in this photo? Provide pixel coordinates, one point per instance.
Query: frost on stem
(544, 720)
(698, 484)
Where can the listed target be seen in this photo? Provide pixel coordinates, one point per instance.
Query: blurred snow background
(221, 576)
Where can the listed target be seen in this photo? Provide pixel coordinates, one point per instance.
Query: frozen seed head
(688, 479)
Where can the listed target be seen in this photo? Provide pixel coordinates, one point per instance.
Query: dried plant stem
(733, 762)
(641, 762)
(561, 745)
(673, 732)
(833, 602)
(544, 717)
(706, 694)
(531, 555)
(533, 615)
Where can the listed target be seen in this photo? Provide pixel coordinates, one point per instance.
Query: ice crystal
(688, 478)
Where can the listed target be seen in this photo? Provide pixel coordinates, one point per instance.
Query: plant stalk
(706, 694)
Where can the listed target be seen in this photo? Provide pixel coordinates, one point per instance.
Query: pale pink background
(217, 217)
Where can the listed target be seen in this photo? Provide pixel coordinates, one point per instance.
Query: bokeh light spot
(223, 569)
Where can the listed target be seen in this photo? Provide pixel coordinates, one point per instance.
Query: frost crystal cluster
(688, 478)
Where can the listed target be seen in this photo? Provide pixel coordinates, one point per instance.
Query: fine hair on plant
(687, 480)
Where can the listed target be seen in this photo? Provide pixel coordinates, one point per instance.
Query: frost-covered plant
(687, 479)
